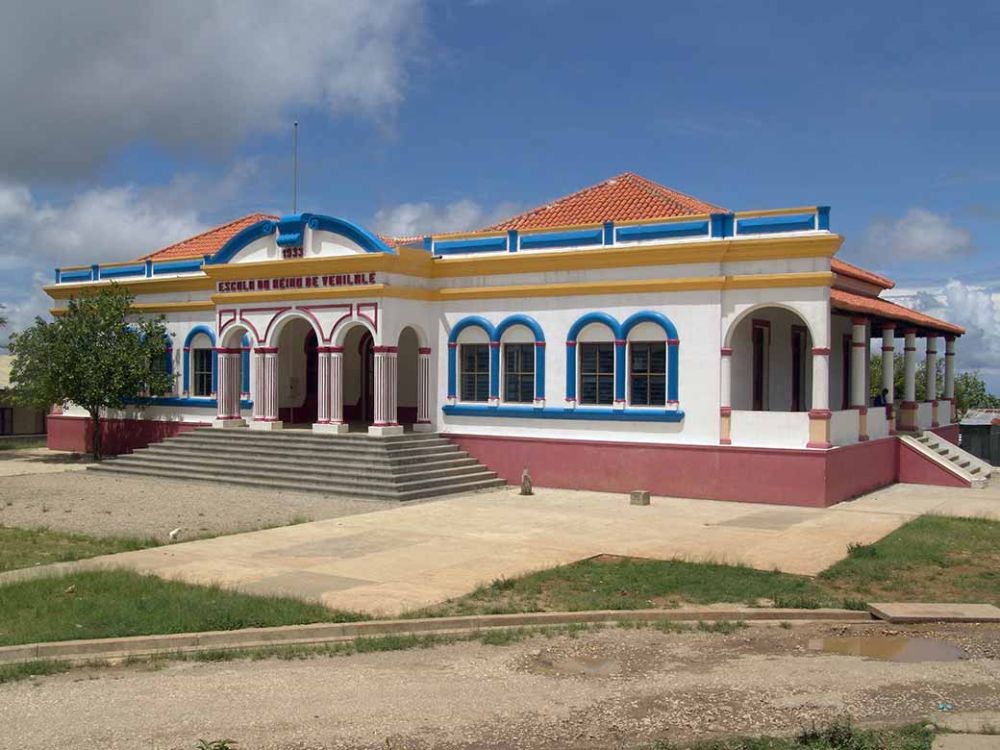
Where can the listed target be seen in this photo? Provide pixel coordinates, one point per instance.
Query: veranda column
(423, 423)
(386, 422)
(949, 377)
(334, 396)
(907, 419)
(265, 402)
(819, 415)
(889, 373)
(859, 372)
(725, 395)
(228, 396)
(930, 377)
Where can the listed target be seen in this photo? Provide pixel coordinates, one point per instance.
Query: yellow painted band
(136, 287)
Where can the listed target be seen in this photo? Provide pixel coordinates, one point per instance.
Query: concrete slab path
(407, 557)
(39, 461)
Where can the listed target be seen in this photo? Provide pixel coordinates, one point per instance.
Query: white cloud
(978, 311)
(919, 235)
(417, 219)
(82, 79)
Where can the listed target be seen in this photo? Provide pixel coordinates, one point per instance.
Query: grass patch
(109, 603)
(20, 444)
(622, 583)
(932, 558)
(25, 548)
(840, 735)
(24, 670)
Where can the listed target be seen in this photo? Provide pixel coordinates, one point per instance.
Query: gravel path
(603, 689)
(106, 505)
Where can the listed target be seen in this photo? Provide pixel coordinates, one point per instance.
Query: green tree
(96, 355)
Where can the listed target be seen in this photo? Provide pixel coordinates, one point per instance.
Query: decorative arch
(240, 240)
(519, 319)
(673, 346)
(279, 321)
(727, 340)
(343, 329)
(368, 241)
(590, 318)
(473, 321)
(199, 329)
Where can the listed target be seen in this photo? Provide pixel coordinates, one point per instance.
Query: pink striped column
(330, 414)
(386, 421)
(423, 423)
(228, 397)
(265, 404)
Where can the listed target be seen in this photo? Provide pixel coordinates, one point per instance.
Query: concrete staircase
(404, 467)
(948, 455)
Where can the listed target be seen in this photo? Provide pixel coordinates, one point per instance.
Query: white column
(337, 386)
(725, 395)
(423, 423)
(330, 414)
(271, 384)
(819, 414)
(889, 362)
(949, 376)
(385, 392)
(228, 396)
(910, 366)
(259, 387)
(323, 385)
(930, 377)
(859, 362)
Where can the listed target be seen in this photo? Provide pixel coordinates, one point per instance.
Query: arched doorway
(407, 364)
(359, 376)
(298, 378)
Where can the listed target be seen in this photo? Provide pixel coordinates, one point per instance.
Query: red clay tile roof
(625, 197)
(208, 242)
(881, 308)
(856, 272)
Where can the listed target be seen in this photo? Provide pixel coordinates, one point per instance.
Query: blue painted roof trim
(563, 239)
(482, 245)
(81, 275)
(598, 414)
(662, 231)
(177, 266)
(772, 224)
(367, 240)
(118, 271)
(240, 240)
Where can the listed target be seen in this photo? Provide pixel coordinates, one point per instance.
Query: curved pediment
(299, 236)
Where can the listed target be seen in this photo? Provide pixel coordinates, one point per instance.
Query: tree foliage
(970, 388)
(96, 355)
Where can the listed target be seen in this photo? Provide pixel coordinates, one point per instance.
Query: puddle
(890, 649)
(593, 665)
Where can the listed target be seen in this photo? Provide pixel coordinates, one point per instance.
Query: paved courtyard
(400, 558)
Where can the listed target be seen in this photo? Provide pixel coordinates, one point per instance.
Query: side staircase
(950, 457)
(404, 467)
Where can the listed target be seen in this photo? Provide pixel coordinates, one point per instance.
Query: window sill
(594, 413)
(196, 401)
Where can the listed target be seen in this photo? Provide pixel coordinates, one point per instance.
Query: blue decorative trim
(149, 268)
(473, 321)
(722, 225)
(245, 363)
(609, 233)
(67, 276)
(240, 240)
(648, 316)
(481, 245)
(187, 355)
(196, 402)
(562, 239)
(662, 231)
(117, 271)
(823, 218)
(494, 370)
(774, 224)
(177, 266)
(368, 241)
(519, 319)
(549, 412)
(594, 317)
(512, 240)
(429, 243)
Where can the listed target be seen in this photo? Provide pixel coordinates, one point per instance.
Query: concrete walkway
(407, 557)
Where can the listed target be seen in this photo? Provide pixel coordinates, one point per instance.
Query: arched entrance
(359, 377)
(298, 381)
(407, 376)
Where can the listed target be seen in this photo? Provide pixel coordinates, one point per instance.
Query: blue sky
(445, 115)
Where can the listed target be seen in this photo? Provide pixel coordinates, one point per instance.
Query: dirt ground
(104, 505)
(610, 688)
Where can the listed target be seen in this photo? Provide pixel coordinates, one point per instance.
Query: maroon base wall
(915, 468)
(117, 435)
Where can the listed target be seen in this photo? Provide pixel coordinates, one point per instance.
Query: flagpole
(295, 166)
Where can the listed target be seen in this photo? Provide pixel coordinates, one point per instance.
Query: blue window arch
(620, 331)
(187, 357)
(244, 363)
(531, 324)
(472, 321)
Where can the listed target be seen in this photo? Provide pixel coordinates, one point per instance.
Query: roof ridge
(209, 231)
(544, 206)
(656, 187)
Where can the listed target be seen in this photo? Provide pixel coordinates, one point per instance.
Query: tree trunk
(95, 441)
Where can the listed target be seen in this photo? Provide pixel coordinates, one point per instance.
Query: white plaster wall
(878, 423)
(779, 370)
(844, 427)
(840, 326)
(925, 414)
(769, 429)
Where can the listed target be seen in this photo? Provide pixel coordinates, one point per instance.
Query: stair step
(318, 447)
(304, 454)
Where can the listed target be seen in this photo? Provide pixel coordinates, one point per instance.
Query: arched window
(473, 361)
(592, 365)
(651, 360)
(200, 371)
(522, 360)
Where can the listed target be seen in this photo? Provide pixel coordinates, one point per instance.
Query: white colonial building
(624, 336)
